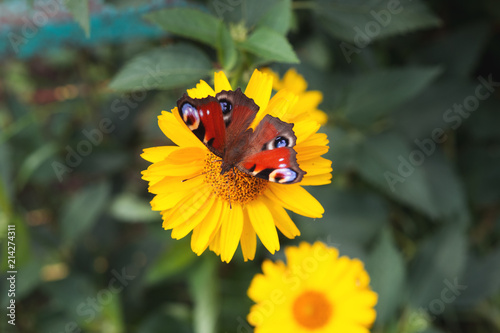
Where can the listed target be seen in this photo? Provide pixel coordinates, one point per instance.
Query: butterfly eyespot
(226, 106)
(280, 142)
(283, 176)
(190, 116)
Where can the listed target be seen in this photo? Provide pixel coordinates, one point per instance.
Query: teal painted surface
(24, 37)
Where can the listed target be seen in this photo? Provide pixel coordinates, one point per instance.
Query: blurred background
(411, 89)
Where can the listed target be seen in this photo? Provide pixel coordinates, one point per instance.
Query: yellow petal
(323, 179)
(259, 89)
(202, 90)
(221, 82)
(248, 239)
(316, 139)
(295, 198)
(262, 285)
(283, 101)
(215, 243)
(281, 219)
(294, 82)
(309, 100)
(230, 232)
(316, 166)
(185, 228)
(167, 201)
(176, 130)
(166, 168)
(203, 233)
(187, 208)
(309, 152)
(263, 224)
(156, 154)
(277, 85)
(305, 129)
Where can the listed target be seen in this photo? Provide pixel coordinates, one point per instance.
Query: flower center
(312, 309)
(234, 185)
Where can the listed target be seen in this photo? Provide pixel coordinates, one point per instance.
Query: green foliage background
(418, 227)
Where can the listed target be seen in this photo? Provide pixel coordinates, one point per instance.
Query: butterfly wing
(270, 154)
(238, 112)
(204, 117)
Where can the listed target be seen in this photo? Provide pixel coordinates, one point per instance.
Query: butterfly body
(223, 122)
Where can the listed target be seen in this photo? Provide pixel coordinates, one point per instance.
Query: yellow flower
(315, 292)
(308, 101)
(223, 211)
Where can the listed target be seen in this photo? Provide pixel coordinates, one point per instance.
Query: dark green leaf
(353, 216)
(33, 162)
(176, 258)
(80, 11)
(437, 266)
(204, 289)
(278, 17)
(370, 96)
(226, 49)
(482, 278)
(187, 22)
(128, 207)
(387, 271)
(270, 46)
(443, 51)
(83, 210)
(360, 22)
(421, 178)
(165, 68)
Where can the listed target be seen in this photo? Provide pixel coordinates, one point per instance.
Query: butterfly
(222, 124)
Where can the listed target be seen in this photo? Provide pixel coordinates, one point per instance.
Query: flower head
(316, 291)
(308, 100)
(224, 210)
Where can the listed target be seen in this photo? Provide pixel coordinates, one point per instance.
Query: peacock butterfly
(222, 124)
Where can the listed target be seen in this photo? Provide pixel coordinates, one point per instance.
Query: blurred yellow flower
(225, 210)
(308, 101)
(316, 291)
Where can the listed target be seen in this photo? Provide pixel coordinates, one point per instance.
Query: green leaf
(371, 96)
(278, 17)
(270, 45)
(204, 288)
(226, 49)
(387, 272)
(424, 180)
(80, 11)
(353, 215)
(176, 258)
(127, 207)
(165, 68)
(6, 188)
(360, 22)
(482, 278)
(443, 51)
(83, 210)
(33, 162)
(437, 266)
(187, 22)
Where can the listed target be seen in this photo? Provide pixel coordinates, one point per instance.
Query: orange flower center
(234, 185)
(312, 309)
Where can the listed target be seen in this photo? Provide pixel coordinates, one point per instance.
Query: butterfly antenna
(185, 180)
